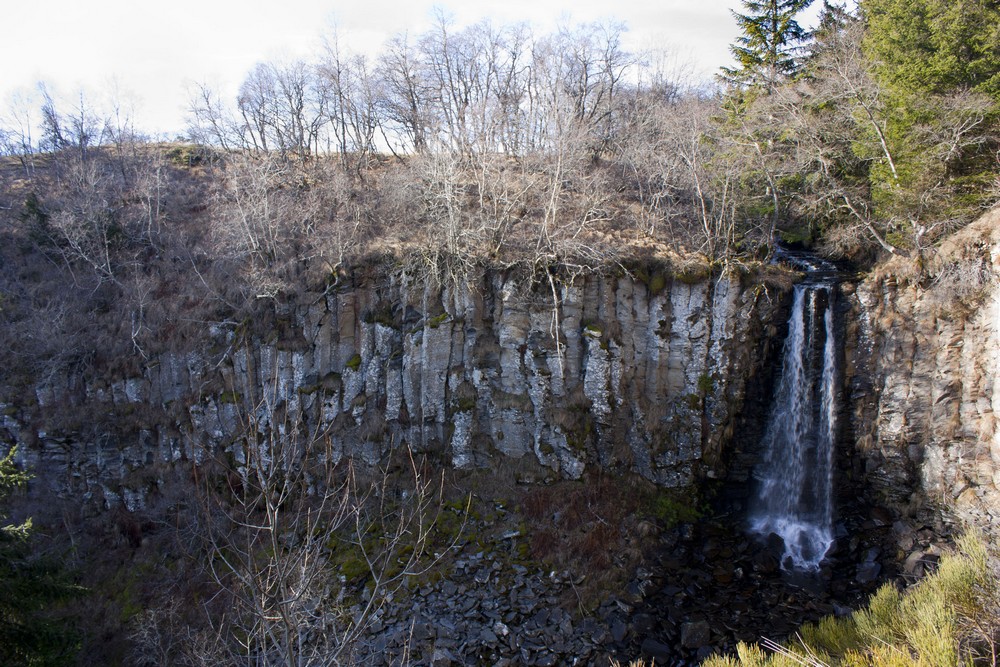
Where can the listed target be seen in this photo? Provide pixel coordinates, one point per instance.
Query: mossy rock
(329, 383)
(230, 397)
(706, 384)
(354, 568)
(507, 401)
(694, 274)
(464, 398)
(437, 321)
(670, 507)
(354, 363)
(466, 404)
(657, 283)
(382, 314)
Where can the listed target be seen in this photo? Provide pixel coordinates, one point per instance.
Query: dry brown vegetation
(110, 257)
(600, 528)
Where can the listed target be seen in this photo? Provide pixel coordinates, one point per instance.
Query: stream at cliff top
(793, 498)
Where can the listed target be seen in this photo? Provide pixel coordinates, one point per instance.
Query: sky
(149, 55)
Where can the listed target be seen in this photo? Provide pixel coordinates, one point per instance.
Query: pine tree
(935, 46)
(28, 586)
(766, 50)
(938, 64)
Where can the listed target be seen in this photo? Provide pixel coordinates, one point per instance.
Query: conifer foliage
(766, 51)
(28, 586)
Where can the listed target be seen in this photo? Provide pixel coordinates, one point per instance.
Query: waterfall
(794, 494)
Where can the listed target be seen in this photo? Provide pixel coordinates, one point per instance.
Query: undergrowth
(600, 526)
(950, 618)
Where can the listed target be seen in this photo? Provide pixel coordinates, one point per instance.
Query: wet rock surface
(713, 586)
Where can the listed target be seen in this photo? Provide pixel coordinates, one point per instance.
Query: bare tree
(17, 131)
(351, 103)
(53, 137)
(293, 531)
(210, 121)
(403, 97)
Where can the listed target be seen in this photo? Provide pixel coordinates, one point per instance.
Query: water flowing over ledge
(794, 494)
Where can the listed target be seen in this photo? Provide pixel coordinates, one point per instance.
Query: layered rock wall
(930, 361)
(604, 370)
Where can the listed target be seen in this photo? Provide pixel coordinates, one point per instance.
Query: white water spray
(794, 497)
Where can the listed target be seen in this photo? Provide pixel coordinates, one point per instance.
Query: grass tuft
(950, 618)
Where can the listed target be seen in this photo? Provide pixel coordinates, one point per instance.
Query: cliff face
(930, 350)
(603, 371)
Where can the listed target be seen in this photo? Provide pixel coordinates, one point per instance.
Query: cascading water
(794, 495)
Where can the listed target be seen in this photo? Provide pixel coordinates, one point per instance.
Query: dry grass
(950, 618)
(600, 526)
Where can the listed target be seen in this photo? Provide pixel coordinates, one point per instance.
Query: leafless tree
(210, 122)
(17, 131)
(351, 104)
(278, 533)
(403, 97)
(282, 109)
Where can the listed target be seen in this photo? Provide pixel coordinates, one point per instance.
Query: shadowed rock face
(615, 375)
(929, 359)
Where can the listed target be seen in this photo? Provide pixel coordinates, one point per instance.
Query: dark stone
(868, 573)
(724, 575)
(704, 653)
(881, 517)
(914, 564)
(487, 637)
(643, 624)
(841, 611)
(766, 562)
(655, 650)
(422, 631)
(618, 630)
(442, 657)
(546, 660)
(775, 544)
(695, 634)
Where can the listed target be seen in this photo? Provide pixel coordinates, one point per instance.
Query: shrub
(950, 618)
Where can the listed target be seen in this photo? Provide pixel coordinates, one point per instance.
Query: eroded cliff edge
(926, 399)
(621, 370)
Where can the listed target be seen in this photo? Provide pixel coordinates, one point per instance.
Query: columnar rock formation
(608, 370)
(930, 363)
(604, 370)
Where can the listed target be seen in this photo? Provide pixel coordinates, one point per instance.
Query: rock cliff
(929, 364)
(607, 370)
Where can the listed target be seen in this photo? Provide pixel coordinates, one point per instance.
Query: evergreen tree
(833, 21)
(935, 46)
(766, 51)
(28, 587)
(938, 65)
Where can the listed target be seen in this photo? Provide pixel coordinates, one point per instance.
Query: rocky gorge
(644, 371)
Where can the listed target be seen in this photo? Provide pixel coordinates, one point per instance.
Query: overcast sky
(152, 52)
